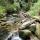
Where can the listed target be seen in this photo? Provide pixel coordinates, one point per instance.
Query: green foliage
(3, 2)
(13, 7)
(34, 1)
(11, 1)
(24, 5)
(34, 10)
(2, 9)
(17, 5)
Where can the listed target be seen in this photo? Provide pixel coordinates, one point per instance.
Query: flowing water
(14, 36)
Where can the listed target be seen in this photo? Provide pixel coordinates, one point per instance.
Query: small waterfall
(14, 36)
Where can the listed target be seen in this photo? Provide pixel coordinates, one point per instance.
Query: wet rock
(27, 23)
(0, 21)
(38, 30)
(37, 18)
(3, 19)
(24, 33)
(3, 23)
(33, 37)
(33, 28)
(3, 33)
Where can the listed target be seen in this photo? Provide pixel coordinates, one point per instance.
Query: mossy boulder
(24, 33)
(38, 30)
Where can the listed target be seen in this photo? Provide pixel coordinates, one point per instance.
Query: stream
(14, 36)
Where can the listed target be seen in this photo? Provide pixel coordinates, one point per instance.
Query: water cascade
(14, 36)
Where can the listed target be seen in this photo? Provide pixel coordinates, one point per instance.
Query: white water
(14, 36)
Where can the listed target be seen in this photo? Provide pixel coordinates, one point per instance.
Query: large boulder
(24, 33)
